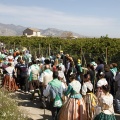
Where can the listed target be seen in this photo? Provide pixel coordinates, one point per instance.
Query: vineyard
(83, 48)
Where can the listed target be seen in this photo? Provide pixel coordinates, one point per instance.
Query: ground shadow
(46, 117)
(25, 100)
(117, 116)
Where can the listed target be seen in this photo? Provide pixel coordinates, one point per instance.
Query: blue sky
(93, 18)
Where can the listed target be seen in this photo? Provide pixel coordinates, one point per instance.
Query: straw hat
(79, 61)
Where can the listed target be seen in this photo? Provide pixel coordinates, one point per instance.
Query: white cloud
(38, 16)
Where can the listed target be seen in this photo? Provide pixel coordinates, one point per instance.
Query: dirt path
(33, 110)
(32, 107)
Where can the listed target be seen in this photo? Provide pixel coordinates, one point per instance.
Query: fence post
(106, 54)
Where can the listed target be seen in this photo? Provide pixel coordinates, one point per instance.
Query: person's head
(22, 61)
(86, 77)
(55, 74)
(79, 61)
(34, 61)
(19, 58)
(114, 65)
(47, 66)
(59, 68)
(101, 75)
(100, 61)
(72, 64)
(72, 77)
(107, 68)
(61, 51)
(105, 88)
(61, 61)
(9, 64)
(90, 66)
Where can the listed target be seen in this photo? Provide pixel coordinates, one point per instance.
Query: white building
(29, 32)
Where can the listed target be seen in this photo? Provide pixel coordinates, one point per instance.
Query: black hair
(86, 75)
(106, 88)
(73, 76)
(100, 60)
(55, 74)
(34, 61)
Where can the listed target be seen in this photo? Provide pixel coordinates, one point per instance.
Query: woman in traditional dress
(74, 108)
(9, 81)
(102, 81)
(89, 98)
(105, 110)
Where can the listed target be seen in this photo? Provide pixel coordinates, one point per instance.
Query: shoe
(18, 89)
(37, 89)
(31, 90)
(26, 92)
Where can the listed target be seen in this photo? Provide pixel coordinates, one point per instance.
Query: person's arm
(41, 77)
(46, 91)
(68, 91)
(117, 77)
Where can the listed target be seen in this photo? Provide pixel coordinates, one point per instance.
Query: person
(79, 70)
(61, 75)
(105, 110)
(61, 65)
(23, 76)
(113, 68)
(89, 98)
(74, 108)
(117, 95)
(100, 67)
(9, 80)
(109, 77)
(53, 89)
(93, 63)
(102, 81)
(91, 71)
(117, 79)
(45, 77)
(17, 71)
(34, 71)
(72, 70)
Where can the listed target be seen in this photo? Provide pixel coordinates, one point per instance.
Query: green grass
(9, 107)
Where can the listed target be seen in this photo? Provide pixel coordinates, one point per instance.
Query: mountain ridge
(17, 30)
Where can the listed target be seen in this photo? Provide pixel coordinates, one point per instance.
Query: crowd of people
(72, 91)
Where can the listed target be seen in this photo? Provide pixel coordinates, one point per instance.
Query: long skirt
(9, 83)
(73, 109)
(103, 116)
(91, 102)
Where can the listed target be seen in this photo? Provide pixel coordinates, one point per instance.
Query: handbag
(57, 101)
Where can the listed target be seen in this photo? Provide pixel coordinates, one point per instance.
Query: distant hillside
(11, 30)
(17, 30)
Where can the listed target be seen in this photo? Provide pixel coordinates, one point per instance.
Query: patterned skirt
(91, 102)
(73, 109)
(9, 83)
(103, 116)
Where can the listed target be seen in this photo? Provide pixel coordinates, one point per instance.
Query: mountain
(58, 33)
(17, 30)
(11, 30)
